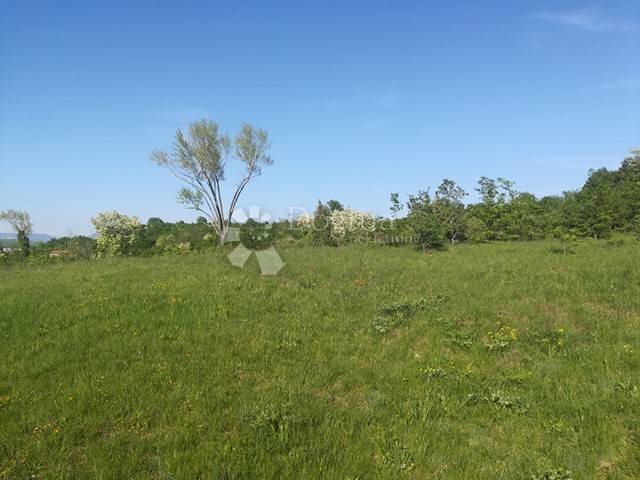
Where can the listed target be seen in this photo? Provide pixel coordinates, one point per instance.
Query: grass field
(500, 361)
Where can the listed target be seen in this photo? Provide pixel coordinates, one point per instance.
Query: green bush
(567, 240)
(429, 232)
(475, 229)
(321, 233)
(166, 243)
(617, 240)
(258, 236)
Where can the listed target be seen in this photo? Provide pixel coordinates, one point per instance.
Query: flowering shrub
(305, 222)
(348, 225)
(117, 234)
(331, 227)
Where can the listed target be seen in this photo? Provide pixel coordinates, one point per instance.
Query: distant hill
(34, 237)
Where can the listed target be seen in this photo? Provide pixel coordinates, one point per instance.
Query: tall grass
(500, 361)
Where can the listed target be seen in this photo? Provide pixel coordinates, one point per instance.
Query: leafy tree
(396, 206)
(117, 234)
(21, 223)
(24, 243)
(321, 233)
(486, 210)
(493, 210)
(475, 229)
(73, 247)
(153, 230)
(450, 208)
(566, 239)
(636, 226)
(552, 215)
(506, 191)
(488, 190)
(428, 230)
(419, 202)
(156, 226)
(200, 158)
(392, 230)
(335, 206)
(628, 191)
(596, 204)
(609, 202)
(521, 218)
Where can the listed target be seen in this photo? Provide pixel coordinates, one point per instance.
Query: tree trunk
(222, 235)
(221, 230)
(453, 234)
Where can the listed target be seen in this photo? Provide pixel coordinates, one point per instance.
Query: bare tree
(20, 221)
(200, 158)
(450, 207)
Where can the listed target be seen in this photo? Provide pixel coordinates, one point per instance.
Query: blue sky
(361, 98)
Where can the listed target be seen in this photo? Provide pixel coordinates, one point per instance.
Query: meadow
(489, 361)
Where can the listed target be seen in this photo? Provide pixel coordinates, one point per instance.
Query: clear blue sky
(361, 98)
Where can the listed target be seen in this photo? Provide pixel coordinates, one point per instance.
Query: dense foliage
(607, 205)
(320, 227)
(349, 226)
(24, 243)
(258, 235)
(608, 202)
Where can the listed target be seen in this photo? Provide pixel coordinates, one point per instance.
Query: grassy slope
(185, 367)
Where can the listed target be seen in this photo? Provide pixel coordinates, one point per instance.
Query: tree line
(608, 202)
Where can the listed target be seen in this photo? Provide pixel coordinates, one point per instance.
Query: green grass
(351, 363)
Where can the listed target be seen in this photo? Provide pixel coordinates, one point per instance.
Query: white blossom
(117, 233)
(305, 221)
(348, 224)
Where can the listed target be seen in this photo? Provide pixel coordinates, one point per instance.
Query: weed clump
(273, 420)
(553, 340)
(557, 474)
(398, 458)
(500, 339)
(498, 399)
(397, 313)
